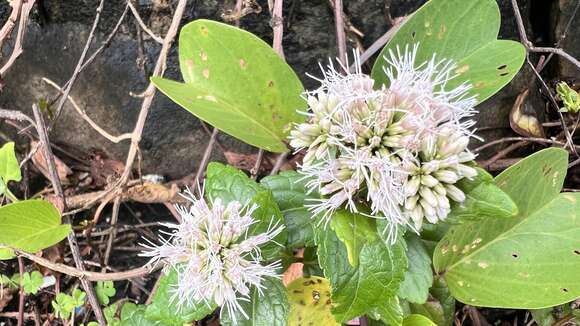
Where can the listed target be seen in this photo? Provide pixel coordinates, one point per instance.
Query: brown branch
(49, 158)
(340, 34)
(68, 86)
(83, 114)
(87, 275)
(21, 293)
(528, 45)
(142, 24)
(151, 90)
(278, 27)
(22, 24)
(380, 42)
(104, 45)
(11, 22)
(206, 156)
(279, 162)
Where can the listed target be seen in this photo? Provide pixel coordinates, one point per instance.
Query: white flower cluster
(215, 260)
(399, 148)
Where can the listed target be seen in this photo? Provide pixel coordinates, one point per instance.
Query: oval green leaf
(530, 261)
(237, 83)
(31, 225)
(464, 31)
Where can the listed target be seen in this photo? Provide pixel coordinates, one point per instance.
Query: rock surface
(173, 141)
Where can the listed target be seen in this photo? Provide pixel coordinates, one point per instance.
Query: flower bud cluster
(400, 149)
(215, 259)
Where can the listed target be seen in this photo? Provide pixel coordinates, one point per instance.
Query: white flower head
(422, 90)
(367, 146)
(215, 259)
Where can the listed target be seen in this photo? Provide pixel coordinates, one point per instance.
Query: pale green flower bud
(440, 190)
(412, 186)
(455, 193)
(309, 129)
(466, 171)
(446, 176)
(428, 196)
(411, 202)
(429, 181)
(417, 216)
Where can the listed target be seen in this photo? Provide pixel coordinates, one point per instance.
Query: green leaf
(389, 311)
(483, 199)
(358, 290)
(110, 313)
(465, 31)
(229, 184)
(417, 320)
(9, 168)
(31, 225)
(543, 317)
(64, 304)
(354, 230)
(536, 180)
(290, 193)
(440, 308)
(419, 276)
(134, 315)
(532, 259)
(271, 308)
(31, 282)
(105, 290)
(164, 309)
(6, 253)
(237, 83)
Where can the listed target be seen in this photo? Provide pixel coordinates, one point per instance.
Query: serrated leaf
(164, 308)
(358, 290)
(419, 276)
(237, 83)
(534, 255)
(289, 191)
(390, 312)
(465, 31)
(134, 315)
(31, 225)
(229, 184)
(310, 302)
(354, 230)
(270, 309)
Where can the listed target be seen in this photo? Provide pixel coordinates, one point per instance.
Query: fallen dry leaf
(247, 161)
(40, 163)
(104, 169)
(149, 193)
(523, 119)
(6, 295)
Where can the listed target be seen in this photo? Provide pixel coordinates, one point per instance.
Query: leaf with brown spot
(254, 92)
(526, 261)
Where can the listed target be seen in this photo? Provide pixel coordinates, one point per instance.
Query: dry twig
(22, 23)
(49, 158)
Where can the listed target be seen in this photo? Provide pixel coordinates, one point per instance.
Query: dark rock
(173, 140)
